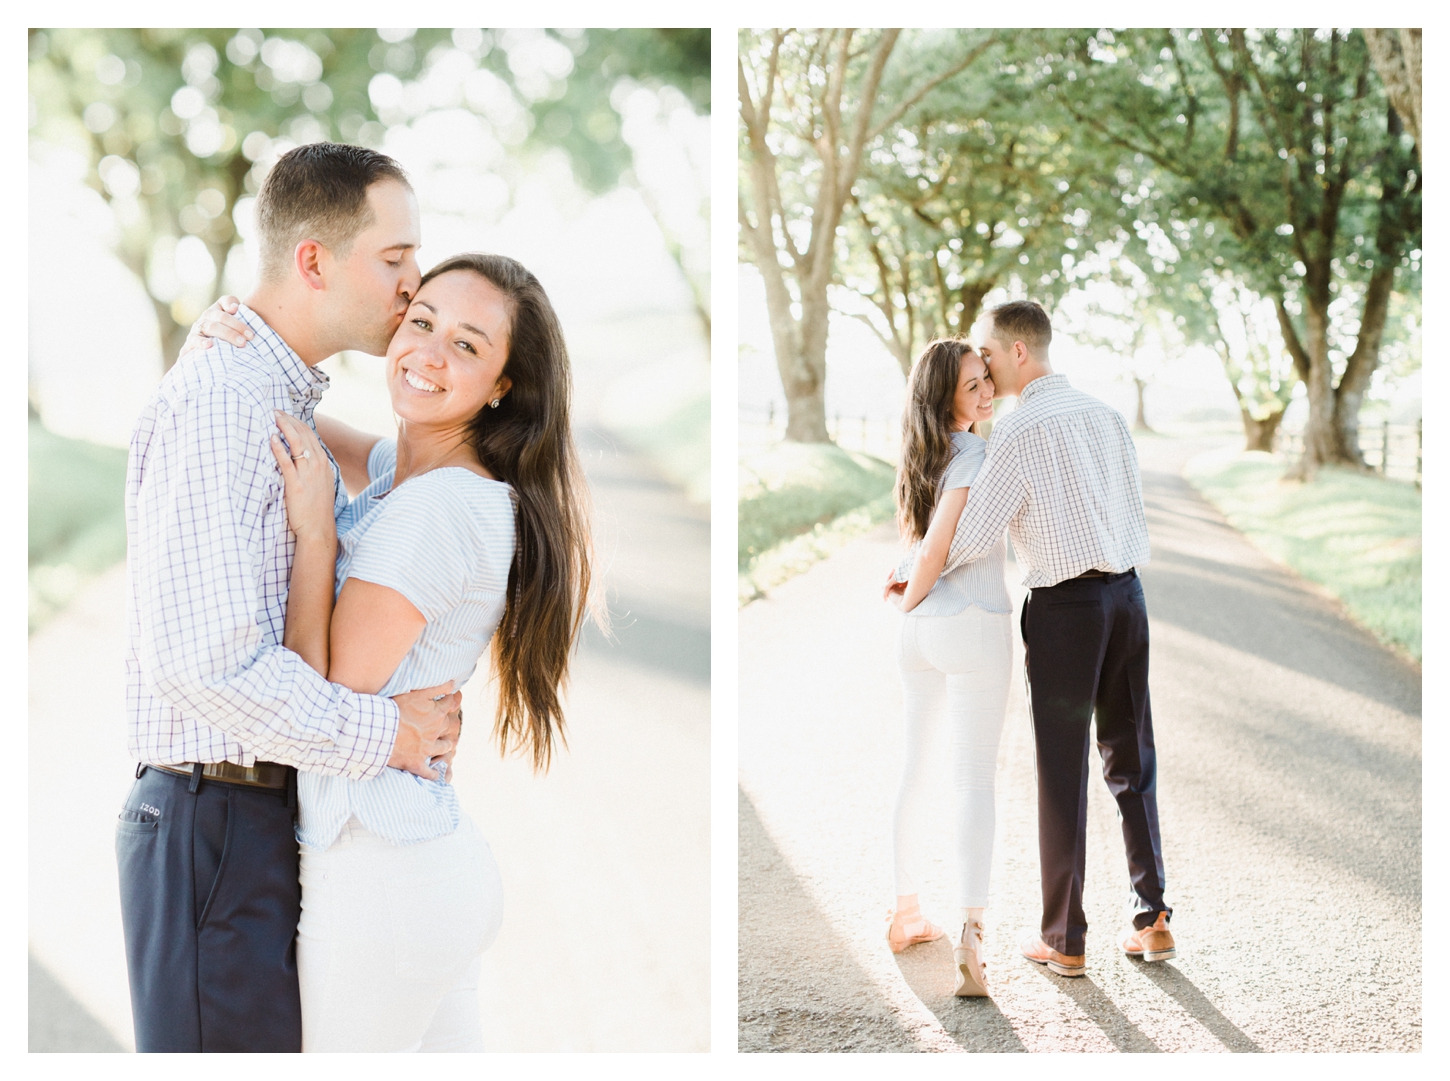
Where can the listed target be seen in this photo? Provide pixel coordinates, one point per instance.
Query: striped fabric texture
(1062, 473)
(445, 541)
(981, 582)
(209, 556)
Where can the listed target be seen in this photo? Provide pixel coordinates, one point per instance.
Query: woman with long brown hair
(472, 532)
(955, 646)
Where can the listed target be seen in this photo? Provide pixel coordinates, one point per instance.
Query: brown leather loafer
(1153, 943)
(1064, 964)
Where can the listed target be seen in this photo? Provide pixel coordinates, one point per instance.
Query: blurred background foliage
(151, 144)
(180, 126)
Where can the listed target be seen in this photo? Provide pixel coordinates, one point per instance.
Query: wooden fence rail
(868, 435)
(1392, 450)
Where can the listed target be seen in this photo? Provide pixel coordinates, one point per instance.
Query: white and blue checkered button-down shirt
(209, 556)
(1062, 474)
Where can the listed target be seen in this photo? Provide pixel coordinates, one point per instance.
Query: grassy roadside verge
(800, 502)
(77, 517)
(1356, 535)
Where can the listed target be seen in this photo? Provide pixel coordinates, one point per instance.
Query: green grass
(77, 517)
(1354, 534)
(679, 446)
(798, 502)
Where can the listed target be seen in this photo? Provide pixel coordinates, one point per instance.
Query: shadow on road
(666, 644)
(1266, 613)
(974, 1023)
(1370, 776)
(1196, 1004)
(652, 547)
(782, 930)
(1098, 1008)
(58, 1023)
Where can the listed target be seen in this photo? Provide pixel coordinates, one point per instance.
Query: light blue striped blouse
(982, 582)
(445, 540)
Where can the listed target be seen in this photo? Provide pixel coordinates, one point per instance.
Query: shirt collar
(1042, 384)
(305, 382)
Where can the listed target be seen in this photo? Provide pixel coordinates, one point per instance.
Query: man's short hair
(1022, 321)
(318, 192)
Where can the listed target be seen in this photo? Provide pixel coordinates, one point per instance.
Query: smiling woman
(546, 144)
(473, 530)
(447, 361)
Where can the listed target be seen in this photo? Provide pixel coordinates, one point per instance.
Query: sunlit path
(1289, 747)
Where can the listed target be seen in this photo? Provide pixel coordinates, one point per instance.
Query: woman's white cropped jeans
(954, 672)
(389, 941)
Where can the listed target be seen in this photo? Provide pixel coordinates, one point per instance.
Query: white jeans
(389, 941)
(954, 672)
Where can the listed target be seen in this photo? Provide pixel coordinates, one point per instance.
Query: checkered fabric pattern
(980, 582)
(209, 556)
(1062, 474)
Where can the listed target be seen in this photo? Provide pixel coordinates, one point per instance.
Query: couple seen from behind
(296, 871)
(1060, 472)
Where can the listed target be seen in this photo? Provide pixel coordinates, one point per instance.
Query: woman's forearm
(935, 547)
(927, 569)
(309, 601)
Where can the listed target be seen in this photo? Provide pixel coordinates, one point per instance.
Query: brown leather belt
(261, 775)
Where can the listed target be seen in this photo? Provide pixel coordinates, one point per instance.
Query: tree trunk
(1321, 436)
(804, 376)
(173, 337)
(1389, 240)
(1140, 422)
(1259, 434)
(971, 296)
(1396, 57)
(1349, 396)
(902, 353)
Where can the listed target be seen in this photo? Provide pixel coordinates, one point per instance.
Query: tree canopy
(1223, 165)
(180, 126)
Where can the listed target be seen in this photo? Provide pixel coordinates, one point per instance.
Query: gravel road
(1289, 792)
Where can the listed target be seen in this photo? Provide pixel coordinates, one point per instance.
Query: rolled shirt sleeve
(196, 567)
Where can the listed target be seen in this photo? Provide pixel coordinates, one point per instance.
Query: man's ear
(307, 259)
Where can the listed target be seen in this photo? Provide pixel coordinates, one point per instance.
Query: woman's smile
(417, 382)
(451, 351)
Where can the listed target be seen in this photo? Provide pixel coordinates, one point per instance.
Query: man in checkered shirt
(1061, 473)
(221, 715)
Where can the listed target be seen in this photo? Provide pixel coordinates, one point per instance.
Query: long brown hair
(926, 432)
(526, 441)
